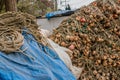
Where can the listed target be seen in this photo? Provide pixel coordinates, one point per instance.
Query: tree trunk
(10, 5)
(55, 5)
(1, 4)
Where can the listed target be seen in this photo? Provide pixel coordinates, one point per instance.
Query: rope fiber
(11, 27)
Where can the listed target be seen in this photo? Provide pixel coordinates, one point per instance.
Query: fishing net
(11, 26)
(93, 34)
(10, 41)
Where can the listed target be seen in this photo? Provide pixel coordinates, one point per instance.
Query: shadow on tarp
(41, 63)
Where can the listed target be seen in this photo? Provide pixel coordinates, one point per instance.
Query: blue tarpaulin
(41, 63)
(59, 13)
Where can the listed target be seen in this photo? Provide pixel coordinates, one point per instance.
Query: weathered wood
(10, 5)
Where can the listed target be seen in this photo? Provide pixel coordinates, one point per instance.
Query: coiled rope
(10, 41)
(11, 26)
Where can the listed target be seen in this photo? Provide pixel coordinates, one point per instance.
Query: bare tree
(55, 4)
(10, 5)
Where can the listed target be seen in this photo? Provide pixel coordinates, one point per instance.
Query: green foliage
(35, 7)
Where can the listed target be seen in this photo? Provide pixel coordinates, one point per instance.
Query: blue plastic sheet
(41, 63)
(59, 13)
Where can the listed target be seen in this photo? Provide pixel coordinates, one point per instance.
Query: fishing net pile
(93, 34)
(11, 26)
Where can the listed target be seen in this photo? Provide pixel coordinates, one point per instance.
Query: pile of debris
(93, 34)
(12, 24)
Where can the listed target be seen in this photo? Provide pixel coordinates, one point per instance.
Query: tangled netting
(93, 34)
(11, 26)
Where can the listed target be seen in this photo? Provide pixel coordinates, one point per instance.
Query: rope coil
(10, 41)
